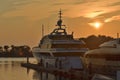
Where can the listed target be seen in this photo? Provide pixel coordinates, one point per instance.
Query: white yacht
(104, 60)
(60, 49)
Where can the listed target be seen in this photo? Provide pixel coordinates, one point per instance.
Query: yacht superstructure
(59, 47)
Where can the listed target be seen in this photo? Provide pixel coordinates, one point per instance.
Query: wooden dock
(70, 74)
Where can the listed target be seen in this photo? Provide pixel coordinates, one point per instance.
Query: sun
(96, 25)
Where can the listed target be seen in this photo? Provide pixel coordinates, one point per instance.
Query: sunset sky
(21, 20)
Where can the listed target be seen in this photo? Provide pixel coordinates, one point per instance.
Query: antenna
(48, 28)
(60, 14)
(42, 30)
(59, 22)
(117, 35)
(118, 38)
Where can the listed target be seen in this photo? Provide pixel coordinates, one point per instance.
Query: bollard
(47, 72)
(27, 59)
(60, 64)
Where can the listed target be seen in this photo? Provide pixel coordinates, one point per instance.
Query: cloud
(32, 11)
(58, 4)
(36, 10)
(9, 5)
(91, 8)
(95, 14)
(115, 4)
(113, 18)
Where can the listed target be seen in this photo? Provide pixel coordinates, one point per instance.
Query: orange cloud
(113, 18)
(30, 11)
(92, 9)
(88, 8)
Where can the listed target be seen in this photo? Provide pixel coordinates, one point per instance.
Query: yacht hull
(66, 62)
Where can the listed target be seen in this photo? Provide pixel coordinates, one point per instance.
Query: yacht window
(67, 46)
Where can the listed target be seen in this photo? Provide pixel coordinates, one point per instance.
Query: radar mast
(59, 30)
(59, 22)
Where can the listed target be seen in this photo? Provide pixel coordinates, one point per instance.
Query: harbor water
(10, 69)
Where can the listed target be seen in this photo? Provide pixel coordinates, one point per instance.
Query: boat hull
(66, 62)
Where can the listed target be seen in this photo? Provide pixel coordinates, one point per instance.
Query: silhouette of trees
(15, 51)
(1, 49)
(93, 42)
(6, 48)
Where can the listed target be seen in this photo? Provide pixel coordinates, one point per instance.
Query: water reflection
(37, 75)
(10, 69)
(42, 76)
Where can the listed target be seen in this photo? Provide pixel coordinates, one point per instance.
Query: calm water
(10, 69)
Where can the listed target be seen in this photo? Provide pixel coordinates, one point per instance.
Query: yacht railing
(67, 41)
(64, 49)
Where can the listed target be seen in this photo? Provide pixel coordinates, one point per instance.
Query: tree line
(93, 42)
(15, 51)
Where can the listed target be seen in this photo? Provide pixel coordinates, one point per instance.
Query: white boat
(104, 60)
(60, 49)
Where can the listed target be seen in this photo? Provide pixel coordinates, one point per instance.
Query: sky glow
(21, 20)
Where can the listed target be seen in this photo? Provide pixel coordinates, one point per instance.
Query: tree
(93, 41)
(6, 48)
(1, 49)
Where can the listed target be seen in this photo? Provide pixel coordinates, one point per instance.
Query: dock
(69, 74)
(66, 74)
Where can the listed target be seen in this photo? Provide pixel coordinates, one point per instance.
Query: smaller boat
(104, 60)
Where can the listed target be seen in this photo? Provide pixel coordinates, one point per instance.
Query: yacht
(59, 49)
(105, 60)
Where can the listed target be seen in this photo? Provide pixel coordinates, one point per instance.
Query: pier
(68, 74)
